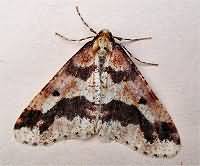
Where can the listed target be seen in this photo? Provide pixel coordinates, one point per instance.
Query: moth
(100, 92)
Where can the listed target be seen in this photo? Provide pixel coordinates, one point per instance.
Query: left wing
(64, 108)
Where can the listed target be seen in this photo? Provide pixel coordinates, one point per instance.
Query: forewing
(131, 112)
(64, 108)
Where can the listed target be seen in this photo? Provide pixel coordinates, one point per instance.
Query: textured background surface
(30, 55)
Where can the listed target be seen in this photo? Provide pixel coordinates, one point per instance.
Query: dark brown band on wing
(114, 110)
(81, 72)
(167, 131)
(129, 114)
(69, 108)
(118, 76)
(28, 118)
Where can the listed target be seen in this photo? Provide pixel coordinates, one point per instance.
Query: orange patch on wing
(71, 85)
(84, 59)
(118, 60)
(127, 92)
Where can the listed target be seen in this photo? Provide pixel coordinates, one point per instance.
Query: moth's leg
(131, 40)
(65, 38)
(146, 63)
(84, 22)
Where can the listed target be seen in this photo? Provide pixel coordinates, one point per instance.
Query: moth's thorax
(103, 41)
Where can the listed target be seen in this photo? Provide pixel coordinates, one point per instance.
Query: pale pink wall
(30, 55)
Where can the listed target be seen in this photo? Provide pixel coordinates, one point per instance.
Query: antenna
(91, 30)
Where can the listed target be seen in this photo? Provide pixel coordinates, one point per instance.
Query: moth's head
(104, 40)
(105, 33)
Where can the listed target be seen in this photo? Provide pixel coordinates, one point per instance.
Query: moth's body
(100, 91)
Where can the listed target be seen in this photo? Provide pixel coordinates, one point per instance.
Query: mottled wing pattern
(100, 91)
(132, 114)
(64, 108)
